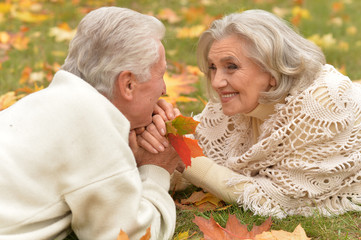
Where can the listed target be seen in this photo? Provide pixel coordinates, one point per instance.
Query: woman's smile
(227, 96)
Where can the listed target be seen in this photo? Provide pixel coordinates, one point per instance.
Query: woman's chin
(229, 113)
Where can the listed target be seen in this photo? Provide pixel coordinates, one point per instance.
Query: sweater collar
(262, 111)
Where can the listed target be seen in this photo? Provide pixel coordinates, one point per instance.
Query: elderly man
(65, 158)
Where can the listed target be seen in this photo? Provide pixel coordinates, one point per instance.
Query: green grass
(323, 20)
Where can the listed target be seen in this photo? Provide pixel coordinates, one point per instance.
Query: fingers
(165, 109)
(133, 141)
(139, 130)
(159, 124)
(152, 140)
(146, 145)
(158, 110)
(176, 112)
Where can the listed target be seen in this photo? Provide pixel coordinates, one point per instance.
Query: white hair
(271, 43)
(110, 40)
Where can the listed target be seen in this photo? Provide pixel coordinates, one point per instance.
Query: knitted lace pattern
(308, 157)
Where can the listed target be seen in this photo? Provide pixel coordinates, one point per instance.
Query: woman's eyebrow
(225, 59)
(229, 58)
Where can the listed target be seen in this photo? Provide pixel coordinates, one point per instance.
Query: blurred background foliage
(34, 38)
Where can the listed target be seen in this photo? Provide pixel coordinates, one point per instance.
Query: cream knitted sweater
(65, 162)
(306, 158)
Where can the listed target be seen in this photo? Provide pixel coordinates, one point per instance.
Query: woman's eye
(232, 66)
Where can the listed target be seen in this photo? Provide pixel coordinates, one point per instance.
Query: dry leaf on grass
(201, 201)
(234, 230)
(123, 236)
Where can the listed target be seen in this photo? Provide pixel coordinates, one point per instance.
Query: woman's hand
(169, 159)
(166, 110)
(153, 137)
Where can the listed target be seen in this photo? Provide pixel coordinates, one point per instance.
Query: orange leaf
(234, 226)
(210, 228)
(25, 74)
(193, 146)
(233, 230)
(185, 147)
(147, 235)
(181, 148)
(123, 236)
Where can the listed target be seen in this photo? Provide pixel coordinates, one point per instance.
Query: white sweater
(298, 157)
(65, 162)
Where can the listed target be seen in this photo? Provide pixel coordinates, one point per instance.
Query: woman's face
(237, 80)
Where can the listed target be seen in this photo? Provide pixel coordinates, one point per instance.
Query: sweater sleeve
(213, 178)
(124, 202)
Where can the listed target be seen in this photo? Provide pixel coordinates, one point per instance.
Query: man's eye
(212, 67)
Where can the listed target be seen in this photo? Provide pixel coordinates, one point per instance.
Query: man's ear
(126, 84)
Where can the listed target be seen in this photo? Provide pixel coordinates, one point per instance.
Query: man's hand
(168, 159)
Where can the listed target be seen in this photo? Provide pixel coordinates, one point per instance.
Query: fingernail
(162, 131)
(171, 116)
(165, 143)
(155, 151)
(161, 148)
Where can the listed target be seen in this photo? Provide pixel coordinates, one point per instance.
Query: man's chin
(141, 125)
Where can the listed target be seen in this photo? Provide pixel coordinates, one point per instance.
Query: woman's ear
(126, 84)
(272, 82)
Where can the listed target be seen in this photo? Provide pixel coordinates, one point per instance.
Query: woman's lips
(226, 97)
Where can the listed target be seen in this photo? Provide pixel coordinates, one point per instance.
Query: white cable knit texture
(308, 156)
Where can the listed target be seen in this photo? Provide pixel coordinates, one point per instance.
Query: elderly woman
(282, 130)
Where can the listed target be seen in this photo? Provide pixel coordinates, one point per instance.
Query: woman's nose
(219, 80)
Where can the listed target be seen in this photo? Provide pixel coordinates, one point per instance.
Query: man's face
(147, 93)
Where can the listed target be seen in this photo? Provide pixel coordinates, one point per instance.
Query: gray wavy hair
(271, 43)
(110, 40)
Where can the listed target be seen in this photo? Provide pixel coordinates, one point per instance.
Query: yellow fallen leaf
(168, 15)
(193, 14)
(191, 32)
(62, 32)
(29, 17)
(179, 84)
(20, 42)
(182, 236)
(281, 12)
(352, 30)
(5, 7)
(302, 12)
(298, 234)
(209, 198)
(326, 41)
(4, 37)
(7, 99)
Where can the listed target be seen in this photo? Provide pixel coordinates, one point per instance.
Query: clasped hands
(150, 145)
